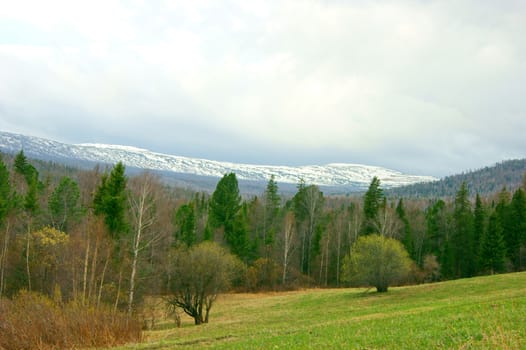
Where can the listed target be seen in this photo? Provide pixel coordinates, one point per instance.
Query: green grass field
(477, 313)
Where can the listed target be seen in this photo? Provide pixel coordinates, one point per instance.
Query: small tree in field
(198, 275)
(376, 261)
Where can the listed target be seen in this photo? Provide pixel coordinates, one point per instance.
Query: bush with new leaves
(376, 261)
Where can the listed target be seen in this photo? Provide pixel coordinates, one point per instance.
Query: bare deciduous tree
(288, 237)
(197, 276)
(142, 199)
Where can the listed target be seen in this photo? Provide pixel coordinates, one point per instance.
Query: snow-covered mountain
(346, 177)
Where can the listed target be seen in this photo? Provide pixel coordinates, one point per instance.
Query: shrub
(32, 321)
(197, 276)
(376, 261)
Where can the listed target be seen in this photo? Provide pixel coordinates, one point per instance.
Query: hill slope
(340, 177)
(488, 180)
(477, 313)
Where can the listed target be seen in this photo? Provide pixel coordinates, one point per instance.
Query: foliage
(110, 200)
(197, 275)
(185, 225)
(485, 181)
(462, 240)
(372, 201)
(493, 248)
(376, 261)
(33, 321)
(263, 274)
(407, 235)
(64, 203)
(517, 229)
(308, 208)
(224, 208)
(5, 192)
(271, 208)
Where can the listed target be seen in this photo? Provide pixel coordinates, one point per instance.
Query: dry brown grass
(33, 321)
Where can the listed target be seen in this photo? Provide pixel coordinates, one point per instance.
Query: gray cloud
(431, 87)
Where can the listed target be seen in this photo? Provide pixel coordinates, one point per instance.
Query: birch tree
(143, 197)
(289, 235)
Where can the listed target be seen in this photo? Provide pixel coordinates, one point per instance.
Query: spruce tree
(436, 230)
(110, 201)
(271, 210)
(224, 208)
(407, 235)
(5, 192)
(372, 202)
(185, 225)
(504, 213)
(308, 206)
(462, 244)
(479, 225)
(64, 204)
(493, 249)
(517, 226)
(23, 167)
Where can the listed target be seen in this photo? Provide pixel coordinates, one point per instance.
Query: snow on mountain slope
(334, 175)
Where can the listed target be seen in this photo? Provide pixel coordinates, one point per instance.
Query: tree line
(101, 237)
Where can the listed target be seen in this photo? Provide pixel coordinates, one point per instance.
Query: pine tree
(407, 235)
(462, 240)
(436, 230)
(185, 225)
(504, 213)
(5, 192)
(372, 202)
(64, 203)
(23, 167)
(224, 208)
(238, 241)
(517, 226)
(308, 205)
(271, 210)
(479, 224)
(493, 250)
(110, 201)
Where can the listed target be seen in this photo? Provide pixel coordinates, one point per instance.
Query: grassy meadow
(478, 313)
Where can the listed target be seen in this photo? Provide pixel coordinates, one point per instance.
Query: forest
(104, 240)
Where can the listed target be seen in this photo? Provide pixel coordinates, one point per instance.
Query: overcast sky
(425, 87)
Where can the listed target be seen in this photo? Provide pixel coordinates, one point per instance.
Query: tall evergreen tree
(110, 201)
(479, 225)
(185, 225)
(372, 202)
(407, 234)
(224, 209)
(30, 204)
(5, 191)
(504, 213)
(271, 210)
(493, 249)
(517, 226)
(462, 239)
(436, 230)
(238, 241)
(23, 167)
(308, 205)
(64, 203)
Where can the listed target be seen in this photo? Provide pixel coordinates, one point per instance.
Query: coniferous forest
(104, 240)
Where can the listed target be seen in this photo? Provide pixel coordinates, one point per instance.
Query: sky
(424, 87)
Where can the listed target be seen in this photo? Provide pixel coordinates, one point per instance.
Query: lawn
(477, 313)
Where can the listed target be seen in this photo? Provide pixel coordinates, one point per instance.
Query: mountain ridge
(338, 176)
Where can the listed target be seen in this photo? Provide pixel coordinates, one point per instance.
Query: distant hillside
(491, 179)
(201, 173)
